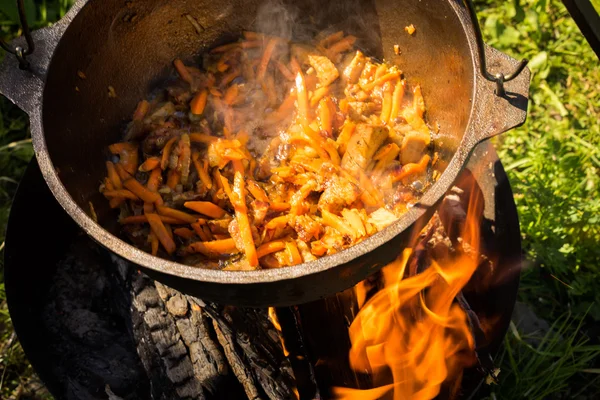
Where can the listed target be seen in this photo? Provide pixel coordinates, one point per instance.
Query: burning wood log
(202, 349)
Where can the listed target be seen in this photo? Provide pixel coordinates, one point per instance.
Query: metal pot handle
(20, 52)
(22, 78)
(499, 78)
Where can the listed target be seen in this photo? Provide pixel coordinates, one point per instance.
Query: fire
(273, 318)
(412, 336)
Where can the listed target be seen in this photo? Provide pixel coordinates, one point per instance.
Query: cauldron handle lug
(494, 112)
(24, 87)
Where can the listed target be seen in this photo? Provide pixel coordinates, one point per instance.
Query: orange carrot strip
(161, 232)
(250, 35)
(286, 105)
(215, 92)
(268, 86)
(149, 164)
(380, 71)
(217, 178)
(215, 247)
(180, 215)
(166, 153)
(207, 232)
(121, 194)
(339, 47)
(202, 138)
(200, 232)
(169, 230)
(251, 44)
(331, 38)
(205, 208)
(121, 172)
(198, 103)
(140, 191)
(277, 222)
(203, 173)
(386, 107)
(222, 66)
(287, 74)
(292, 248)
(326, 110)
(108, 184)
(256, 191)
(173, 178)
(141, 219)
(294, 65)
(226, 186)
(397, 100)
(141, 110)
(154, 180)
(345, 136)
(383, 151)
(381, 80)
(229, 77)
(412, 169)
(231, 94)
(113, 176)
(238, 199)
(185, 233)
(148, 208)
(279, 206)
(318, 94)
(270, 247)
(182, 71)
(266, 57)
(418, 102)
(225, 47)
(153, 242)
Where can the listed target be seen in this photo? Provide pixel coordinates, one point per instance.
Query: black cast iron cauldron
(129, 46)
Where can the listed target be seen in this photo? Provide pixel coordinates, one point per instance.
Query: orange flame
(412, 329)
(273, 318)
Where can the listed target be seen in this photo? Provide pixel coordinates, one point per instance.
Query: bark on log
(204, 350)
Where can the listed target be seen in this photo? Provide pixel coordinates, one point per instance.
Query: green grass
(553, 162)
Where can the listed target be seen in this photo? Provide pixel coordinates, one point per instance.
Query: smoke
(303, 20)
(277, 19)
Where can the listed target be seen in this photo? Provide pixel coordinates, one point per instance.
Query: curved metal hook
(19, 51)
(499, 78)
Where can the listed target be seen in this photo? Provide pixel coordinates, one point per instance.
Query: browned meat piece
(354, 69)
(362, 146)
(306, 228)
(413, 147)
(339, 193)
(302, 51)
(324, 68)
(180, 92)
(219, 226)
(157, 138)
(357, 110)
(259, 210)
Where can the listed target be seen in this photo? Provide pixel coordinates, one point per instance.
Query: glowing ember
(412, 336)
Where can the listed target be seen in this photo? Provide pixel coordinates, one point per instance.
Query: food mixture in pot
(269, 154)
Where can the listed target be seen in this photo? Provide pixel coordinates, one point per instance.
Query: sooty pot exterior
(129, 46)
